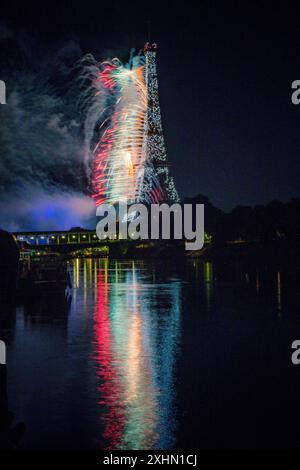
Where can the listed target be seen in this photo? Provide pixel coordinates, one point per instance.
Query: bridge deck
(58, 238)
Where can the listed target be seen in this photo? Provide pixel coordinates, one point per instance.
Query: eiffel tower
(163, 187)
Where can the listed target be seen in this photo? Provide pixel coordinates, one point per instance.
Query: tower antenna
(149, 30)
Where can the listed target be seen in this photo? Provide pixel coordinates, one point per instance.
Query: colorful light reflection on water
(157, 356)
(134, 352)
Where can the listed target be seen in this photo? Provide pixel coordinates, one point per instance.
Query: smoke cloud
(43, 178)
(38, 209)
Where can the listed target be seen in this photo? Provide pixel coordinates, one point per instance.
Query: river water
(154, 355)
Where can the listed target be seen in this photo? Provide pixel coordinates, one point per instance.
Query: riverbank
(281, 251)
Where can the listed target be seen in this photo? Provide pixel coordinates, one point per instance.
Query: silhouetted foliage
(276, 220)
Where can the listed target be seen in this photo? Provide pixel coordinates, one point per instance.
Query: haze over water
(153, 355)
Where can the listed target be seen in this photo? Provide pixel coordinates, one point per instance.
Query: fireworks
(124, 140)
(119, 157)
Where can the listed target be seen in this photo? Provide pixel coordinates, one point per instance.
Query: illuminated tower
(155, 145)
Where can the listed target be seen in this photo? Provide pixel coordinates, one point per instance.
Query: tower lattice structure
(155, 146)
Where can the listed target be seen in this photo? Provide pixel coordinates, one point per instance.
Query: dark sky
(225, 72)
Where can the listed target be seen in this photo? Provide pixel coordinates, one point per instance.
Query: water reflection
(257, 282)
(107, 373)
(208, 279)
(279, 294)
(135, 337)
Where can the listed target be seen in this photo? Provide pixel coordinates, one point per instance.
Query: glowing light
(128, 162)
(119, 157)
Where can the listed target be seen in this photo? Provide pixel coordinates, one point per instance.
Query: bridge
(61, 237)
(61, 241)
(86, 242)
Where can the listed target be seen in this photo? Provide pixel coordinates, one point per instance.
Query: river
(154, 355)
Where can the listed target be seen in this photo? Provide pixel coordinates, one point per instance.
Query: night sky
(225, 74)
